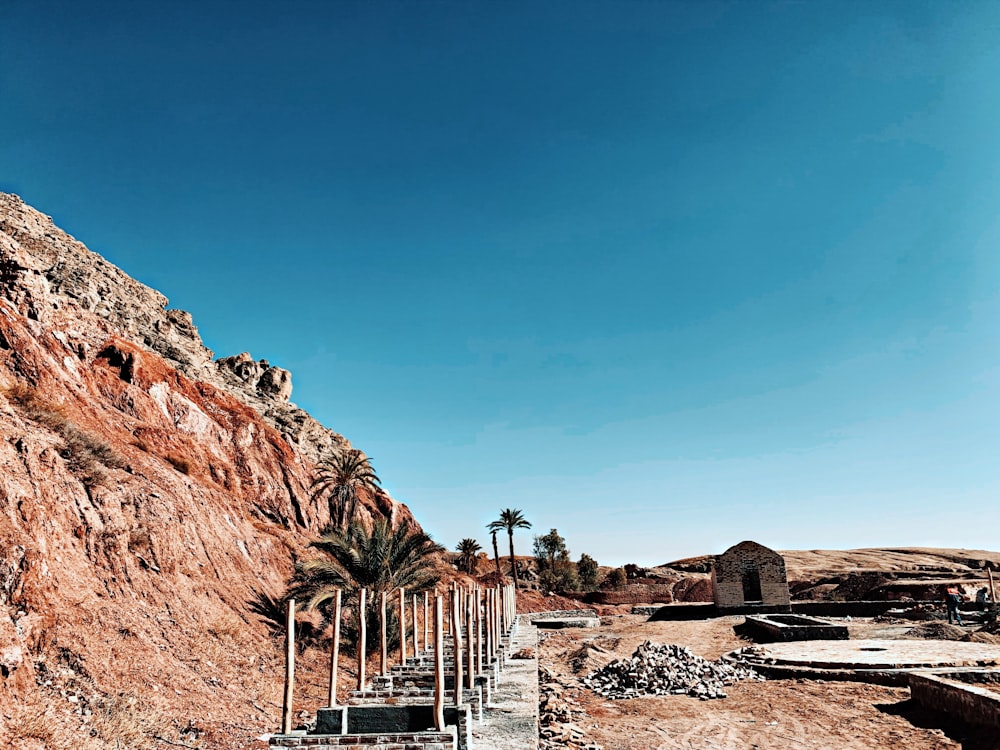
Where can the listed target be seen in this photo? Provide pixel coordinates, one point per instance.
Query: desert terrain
(780, 714)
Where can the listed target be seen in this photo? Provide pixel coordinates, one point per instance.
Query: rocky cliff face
(147, 493)
(45, 268)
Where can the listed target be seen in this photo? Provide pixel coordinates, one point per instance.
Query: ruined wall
(749, 567)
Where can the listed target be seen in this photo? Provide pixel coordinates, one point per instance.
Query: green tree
(547, 550)
(338, 480)
(556, 571)
(380, 559)
(468, 550)
(510, 519)
(588, 571)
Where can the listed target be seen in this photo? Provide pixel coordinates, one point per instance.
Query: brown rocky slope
(147, 493)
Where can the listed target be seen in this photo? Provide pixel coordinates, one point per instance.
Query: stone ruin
(749, 574)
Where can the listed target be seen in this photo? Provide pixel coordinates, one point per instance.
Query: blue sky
(665, 276)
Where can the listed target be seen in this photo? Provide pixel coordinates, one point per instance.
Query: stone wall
(558, 614)
(633, 594)
(971, 704)
(747, 570)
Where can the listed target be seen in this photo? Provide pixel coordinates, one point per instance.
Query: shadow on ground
(968, 736)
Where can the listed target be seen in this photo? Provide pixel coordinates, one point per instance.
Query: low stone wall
(409, 741)
(632, 594)
(698, 611)
(558, 614)
(971, 704)
(775, 628)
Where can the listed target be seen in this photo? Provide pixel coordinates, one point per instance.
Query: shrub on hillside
(84, 453)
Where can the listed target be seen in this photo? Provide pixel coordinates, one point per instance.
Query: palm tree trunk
(513, 563)
(496, 554)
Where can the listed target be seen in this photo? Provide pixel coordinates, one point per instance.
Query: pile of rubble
(666, 669)
(557, 716)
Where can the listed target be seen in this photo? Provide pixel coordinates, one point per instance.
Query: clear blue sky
(665, 276)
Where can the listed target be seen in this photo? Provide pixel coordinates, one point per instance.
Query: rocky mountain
(148, 492)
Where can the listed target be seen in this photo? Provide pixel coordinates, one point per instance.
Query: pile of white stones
(666, 669)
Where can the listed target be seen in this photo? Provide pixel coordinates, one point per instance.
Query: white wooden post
(286, 709)
(438, 665)
(335, 651)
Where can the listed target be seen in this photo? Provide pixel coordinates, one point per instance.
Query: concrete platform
(883, 662)
(883, 654)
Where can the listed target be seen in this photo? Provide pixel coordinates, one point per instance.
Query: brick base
(407, 741)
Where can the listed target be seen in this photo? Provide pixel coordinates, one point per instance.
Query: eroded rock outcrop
(147, 495)
(43, 268)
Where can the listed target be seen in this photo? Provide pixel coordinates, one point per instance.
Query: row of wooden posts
(484, 615)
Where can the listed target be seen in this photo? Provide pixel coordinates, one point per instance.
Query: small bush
(615, 579)
(84, 453)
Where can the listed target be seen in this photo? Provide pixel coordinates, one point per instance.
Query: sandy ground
(772, 715)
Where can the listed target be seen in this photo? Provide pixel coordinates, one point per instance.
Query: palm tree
(380, 560)
(510, 519)
(338, 480)
(468, 550)
(496, 552)
(272, 610)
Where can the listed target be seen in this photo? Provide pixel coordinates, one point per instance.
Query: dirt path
(772, 715)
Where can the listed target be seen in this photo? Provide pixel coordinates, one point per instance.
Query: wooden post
(362, 636)
(402, 626)
(416, 635)
(993, 592)
(510, 609)
(493, 621)
(286, 709)
(471, 638)
(438, 665)
(498, 595)
(489, 625)
(496, 620)
(479, 631)
(427, 619)
(456, 635)
(383, 621)
(502, 619)
(335, 651)
(446, 601)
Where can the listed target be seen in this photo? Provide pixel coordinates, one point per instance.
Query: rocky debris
(936, 631)
(666, 669)
(588, 657)
(524, 653)
(558, 715)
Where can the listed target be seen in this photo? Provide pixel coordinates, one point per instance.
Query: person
(983, 598)
(952, 598)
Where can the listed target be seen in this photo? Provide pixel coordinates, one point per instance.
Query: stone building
(749, 573)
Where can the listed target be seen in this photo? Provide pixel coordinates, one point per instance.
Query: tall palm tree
(468, 550)
(496, 552)
(338, 480)
(510, 519)
(380, 560)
